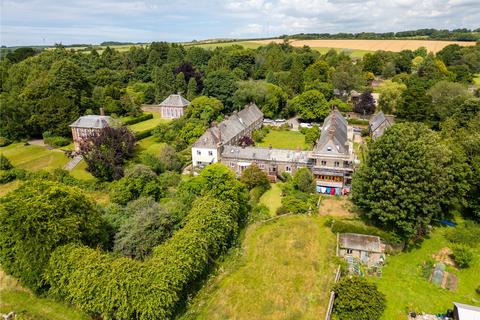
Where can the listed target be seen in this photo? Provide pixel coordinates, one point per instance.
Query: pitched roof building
(86, 127)
(173, 106)
(207, 149)
(378, 124)
(331, 161)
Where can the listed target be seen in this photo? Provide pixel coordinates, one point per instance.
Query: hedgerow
(121, 288)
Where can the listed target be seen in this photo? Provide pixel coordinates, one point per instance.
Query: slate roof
(209, 139)
(175, 100)
(265, 154)
(377, 120)
(334, 132)
(230, 127)
(361, 242)
(93, 122)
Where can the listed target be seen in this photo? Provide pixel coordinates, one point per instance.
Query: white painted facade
(204, 156)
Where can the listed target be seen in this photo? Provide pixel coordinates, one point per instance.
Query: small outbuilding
(366, 248)
(378, 124)
(173, 107)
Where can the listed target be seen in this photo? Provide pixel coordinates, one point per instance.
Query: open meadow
(283, 271)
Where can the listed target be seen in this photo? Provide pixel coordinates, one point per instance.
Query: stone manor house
(331, 161)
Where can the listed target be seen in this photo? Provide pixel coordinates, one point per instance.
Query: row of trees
(48, 91)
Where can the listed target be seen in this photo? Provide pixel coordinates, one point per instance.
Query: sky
(46, 22)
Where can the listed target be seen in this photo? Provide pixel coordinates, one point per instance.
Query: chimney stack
(102, 113)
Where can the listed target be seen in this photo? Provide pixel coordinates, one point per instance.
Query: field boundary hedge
(122, 288)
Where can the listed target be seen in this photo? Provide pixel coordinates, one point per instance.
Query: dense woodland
(157, 239)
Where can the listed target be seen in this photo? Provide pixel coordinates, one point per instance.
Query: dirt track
(373, 45)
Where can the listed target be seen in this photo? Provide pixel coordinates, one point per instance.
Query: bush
(478, 290)
(6, 176)
(253, 177)
(148, 226)
(138, 181)
(141, 118)
(143, 134)
(357, 298)
(259, 135)
(57, 142)
(5, 163)
(281, 211)
(38, 217)
(4, 141)
(466, 234)
(462, 255)
(259, 212)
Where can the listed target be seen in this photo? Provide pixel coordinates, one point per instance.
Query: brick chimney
(102, 113)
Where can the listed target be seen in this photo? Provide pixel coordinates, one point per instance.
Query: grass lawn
(150, 145)
(476, 79)
(7, 187)
(80, 172)
(148, 124)
(33, 157)
(272, 198)
(283, 139)
(284, 271)
(406, 289)
(15, 298)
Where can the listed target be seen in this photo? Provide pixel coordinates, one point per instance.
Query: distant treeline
(432, 34)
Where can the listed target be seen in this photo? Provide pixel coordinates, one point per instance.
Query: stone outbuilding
(369, 250)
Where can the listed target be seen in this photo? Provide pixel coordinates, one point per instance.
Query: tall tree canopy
(106, 152)
(310, 105)
(406, 180)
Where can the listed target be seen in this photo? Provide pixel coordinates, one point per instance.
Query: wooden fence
(328, 315)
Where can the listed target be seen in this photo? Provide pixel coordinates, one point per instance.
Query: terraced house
(331, 161)
(208, 148)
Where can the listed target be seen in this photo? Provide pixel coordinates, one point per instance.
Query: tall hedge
(37, 218)
(121, 288)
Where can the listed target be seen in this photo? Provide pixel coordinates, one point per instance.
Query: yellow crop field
(373, 45)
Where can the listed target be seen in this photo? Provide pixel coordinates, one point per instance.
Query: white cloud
(23, 22)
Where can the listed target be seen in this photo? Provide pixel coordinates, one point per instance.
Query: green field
(272, 198)
(283, 139)
(354, 53)
(406, 289)
(283, 271)
(148, 124)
